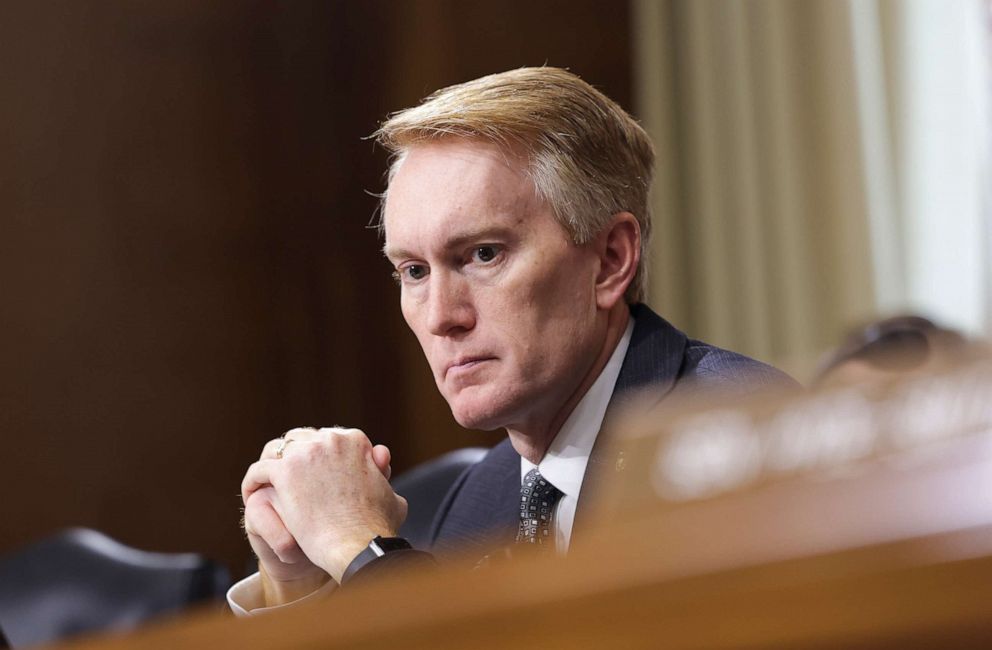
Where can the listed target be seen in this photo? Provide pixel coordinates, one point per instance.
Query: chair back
(80, 580)
(425, 486)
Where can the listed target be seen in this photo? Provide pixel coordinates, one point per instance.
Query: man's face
(500, 298)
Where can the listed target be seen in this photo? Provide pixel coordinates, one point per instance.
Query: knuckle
(269, 450)
(293, 462)
(357, 439)
(248, 522)
(309, 453)
(259, 499)
(347, 433)
(246, 482)
(285, 546)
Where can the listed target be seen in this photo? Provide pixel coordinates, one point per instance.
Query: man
(516, 219)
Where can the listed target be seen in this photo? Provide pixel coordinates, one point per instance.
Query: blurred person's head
(892, 347)
(515, 218)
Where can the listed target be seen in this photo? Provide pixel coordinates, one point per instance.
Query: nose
(449, 305)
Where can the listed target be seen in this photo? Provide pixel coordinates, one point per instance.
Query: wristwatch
(376, 549)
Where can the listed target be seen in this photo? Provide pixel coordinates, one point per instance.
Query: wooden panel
(186, 266)
(853, 599)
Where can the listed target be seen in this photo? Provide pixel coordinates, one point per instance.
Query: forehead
(451, 184)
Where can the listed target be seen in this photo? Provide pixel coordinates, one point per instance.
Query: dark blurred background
(187, 269)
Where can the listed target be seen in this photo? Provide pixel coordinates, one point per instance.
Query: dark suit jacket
(482, 508)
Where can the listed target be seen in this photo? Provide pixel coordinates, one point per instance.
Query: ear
(619, 249)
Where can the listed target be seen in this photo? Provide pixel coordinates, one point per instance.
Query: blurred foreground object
(859, 516)
(901, 344)
(80, 580)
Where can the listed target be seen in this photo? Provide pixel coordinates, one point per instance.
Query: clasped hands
(312, 508)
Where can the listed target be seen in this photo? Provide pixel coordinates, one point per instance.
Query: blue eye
(413, 272)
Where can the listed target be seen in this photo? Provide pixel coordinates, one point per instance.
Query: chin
(477, 421)
(477, 414)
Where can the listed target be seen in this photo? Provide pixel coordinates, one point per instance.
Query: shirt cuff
(246, 597)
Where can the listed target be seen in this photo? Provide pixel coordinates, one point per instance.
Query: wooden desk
(883, 543)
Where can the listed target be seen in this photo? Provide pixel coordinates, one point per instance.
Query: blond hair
(588, 159)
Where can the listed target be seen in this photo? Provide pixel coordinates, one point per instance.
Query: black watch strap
(377, 548)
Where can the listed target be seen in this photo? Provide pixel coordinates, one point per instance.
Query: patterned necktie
(537, 504)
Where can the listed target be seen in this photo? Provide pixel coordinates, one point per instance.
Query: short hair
(588, 159)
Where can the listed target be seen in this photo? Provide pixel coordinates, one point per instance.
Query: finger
(323, 432)
(259, 475)
(262, 520)
(276, 449)
(251, 520)
(381, 456)
(402, 508)
(301, 434)
(271, 448)
(280, 448)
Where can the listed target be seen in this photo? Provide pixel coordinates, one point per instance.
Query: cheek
(566, 312)
(413, 315)
(562, 295)
(545, 318)
(409, 312)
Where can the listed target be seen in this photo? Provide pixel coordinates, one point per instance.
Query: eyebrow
(459, 240)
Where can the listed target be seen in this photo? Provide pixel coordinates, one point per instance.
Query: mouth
(465, 365)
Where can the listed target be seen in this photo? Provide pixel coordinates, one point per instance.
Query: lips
(465, 365)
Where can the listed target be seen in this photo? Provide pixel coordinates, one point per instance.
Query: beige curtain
(781, 168)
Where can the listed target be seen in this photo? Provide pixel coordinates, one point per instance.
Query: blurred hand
(287, 573)
(323, 500)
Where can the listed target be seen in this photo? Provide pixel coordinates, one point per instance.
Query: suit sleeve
(391, 564)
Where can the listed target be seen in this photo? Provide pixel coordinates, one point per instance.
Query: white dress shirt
(564, 465)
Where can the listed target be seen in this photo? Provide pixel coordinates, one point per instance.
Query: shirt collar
(564, 464)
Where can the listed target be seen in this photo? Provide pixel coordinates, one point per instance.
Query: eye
(484, 254)
(410, 272)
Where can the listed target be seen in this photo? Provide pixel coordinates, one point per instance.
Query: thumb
(381, 457)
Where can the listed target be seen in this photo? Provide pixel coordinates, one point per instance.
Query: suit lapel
(482, 510)
(653, 361)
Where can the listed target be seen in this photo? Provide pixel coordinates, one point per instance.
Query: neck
(534, 442)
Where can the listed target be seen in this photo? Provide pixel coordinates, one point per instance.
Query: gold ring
(282, 446)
